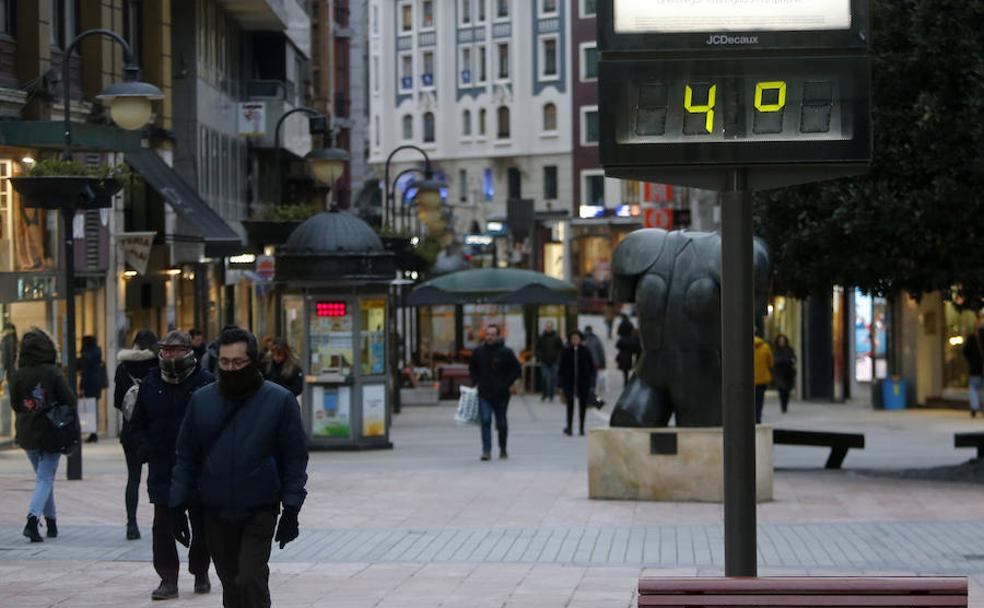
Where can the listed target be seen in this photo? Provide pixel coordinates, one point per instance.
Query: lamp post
(428, 190)
(130, 108)
(327, 163)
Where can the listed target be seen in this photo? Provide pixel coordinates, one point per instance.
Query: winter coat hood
(36, 348)
(135, 355)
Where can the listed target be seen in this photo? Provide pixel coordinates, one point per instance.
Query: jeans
(165, 551)
(548, 372)
(43, 499)
(241, 551)
(759, 401)
(485, 410)
(976, 383)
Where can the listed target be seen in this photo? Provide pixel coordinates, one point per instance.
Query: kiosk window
(331, 341)
(373, 337)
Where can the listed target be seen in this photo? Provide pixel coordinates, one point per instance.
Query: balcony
(280, 90)
(259, 15)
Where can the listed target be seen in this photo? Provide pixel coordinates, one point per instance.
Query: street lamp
(428, 190)
(130, 108)
(326, 163)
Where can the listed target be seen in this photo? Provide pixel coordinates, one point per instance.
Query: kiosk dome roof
(333, 232)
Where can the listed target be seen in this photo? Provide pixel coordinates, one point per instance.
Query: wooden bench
(857, 592)
(839, 443)
(970, 440)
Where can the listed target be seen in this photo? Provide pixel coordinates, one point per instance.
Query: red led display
(329, 309)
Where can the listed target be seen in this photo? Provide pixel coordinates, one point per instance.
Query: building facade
(484, 87)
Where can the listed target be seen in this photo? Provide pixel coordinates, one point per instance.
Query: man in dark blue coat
(241, 455)
(161, 403)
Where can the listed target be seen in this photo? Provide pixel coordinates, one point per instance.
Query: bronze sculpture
(674, 278)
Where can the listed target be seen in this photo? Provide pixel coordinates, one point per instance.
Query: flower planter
(61, 191)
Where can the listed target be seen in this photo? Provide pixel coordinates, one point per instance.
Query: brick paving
(427, 524)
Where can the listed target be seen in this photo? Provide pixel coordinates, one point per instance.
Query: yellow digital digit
(762, 87)
(707, 108)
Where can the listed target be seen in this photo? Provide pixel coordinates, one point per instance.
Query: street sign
(658, 217)
(691, 90)
(266, 267)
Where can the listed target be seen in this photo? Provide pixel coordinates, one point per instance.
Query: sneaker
(52, 526)
(31, 530)
(486, 456)
(167, 590)
(132, 531)
(202, 584)
(503, 454)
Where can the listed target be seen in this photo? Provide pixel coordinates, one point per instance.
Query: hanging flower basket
(66, 191)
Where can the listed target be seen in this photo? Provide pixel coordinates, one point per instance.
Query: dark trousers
(784, 399)
(582, 410)
(241, 550)
(165, 548)
(486, 409)
(759, 401)
(625, 375)
(132, 495)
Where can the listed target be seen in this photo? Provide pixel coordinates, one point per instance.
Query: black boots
(49, 523)
(31, 530)
(202, 584)
(132, 531)
(167, 590)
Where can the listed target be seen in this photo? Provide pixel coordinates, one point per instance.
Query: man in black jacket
(549, 346)
(241, 454)
(161, 404)
(577, 377)
(493, 370)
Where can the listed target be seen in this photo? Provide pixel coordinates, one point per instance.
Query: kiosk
(336, 279)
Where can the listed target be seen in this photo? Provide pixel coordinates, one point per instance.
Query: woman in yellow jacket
(763, 374)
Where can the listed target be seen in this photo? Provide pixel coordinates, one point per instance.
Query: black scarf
(239, 384)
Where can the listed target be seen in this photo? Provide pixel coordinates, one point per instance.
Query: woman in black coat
(783, 369)
(281, 367)
(135, 364)
(577, 377)
(36, 386)
(92, 374)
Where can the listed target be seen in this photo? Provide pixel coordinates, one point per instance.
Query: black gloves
(179, 526)
(287, 528)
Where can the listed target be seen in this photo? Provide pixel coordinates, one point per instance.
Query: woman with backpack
(36, 387)
(134, 366)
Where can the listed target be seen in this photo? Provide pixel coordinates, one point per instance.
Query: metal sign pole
(737, 377)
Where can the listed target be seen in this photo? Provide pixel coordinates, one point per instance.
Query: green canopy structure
(493, 286)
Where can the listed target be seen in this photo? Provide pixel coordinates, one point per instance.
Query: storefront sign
(266, 267)
(374, 410)
(252, 118)
(331, 413)
(136, 249)
(655, 217)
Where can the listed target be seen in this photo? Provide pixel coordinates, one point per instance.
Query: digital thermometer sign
(683, 89)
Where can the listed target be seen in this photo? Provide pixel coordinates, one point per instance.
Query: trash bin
(893, 393)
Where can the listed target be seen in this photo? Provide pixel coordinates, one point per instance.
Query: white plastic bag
(467, 406)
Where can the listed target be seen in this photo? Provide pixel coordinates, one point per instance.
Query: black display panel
(735, 110)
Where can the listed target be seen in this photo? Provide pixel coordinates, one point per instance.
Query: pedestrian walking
(629, 348)
(784, 369)
(281, 367)
(250, 434)
(593, 343)
(8, 350)
(610, 313)
(38, 385)
(211, 357)
(973, 352)
(198, 345)
(625, 327)
(549, 346)
(162, 400)
(493, 368)
(577, 378)
(763, 374)
(134, 365)
(92, 376)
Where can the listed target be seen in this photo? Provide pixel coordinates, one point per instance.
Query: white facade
(483, 86)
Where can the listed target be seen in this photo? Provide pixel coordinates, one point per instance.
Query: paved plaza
(427, 524)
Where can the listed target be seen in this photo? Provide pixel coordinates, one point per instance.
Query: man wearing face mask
(162, 401)
(242, 455)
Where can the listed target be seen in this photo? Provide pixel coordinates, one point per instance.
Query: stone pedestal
(668, 464)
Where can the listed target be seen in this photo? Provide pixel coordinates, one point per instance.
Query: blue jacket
(155, 424)
(258, 462)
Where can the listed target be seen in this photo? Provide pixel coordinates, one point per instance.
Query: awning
(220, 239)
(493, 286)
(51, 134)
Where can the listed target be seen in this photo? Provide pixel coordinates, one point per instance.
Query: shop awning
(220, 239)
(493, 286)
(51, 134)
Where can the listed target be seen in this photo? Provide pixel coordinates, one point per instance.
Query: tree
(916, 222)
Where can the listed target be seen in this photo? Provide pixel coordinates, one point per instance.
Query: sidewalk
(427, 524)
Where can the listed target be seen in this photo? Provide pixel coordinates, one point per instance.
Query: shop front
(592, 244)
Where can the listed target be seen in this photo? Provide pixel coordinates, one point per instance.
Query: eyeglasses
(231, 364)
(173, 352)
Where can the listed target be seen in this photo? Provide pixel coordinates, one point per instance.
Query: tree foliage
(916, 221)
